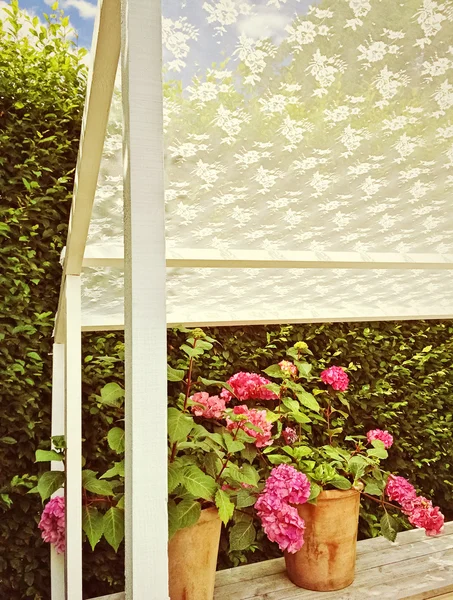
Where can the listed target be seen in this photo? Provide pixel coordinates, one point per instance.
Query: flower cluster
(209, 407)
(248, 386)
(256, 418)
(301, 346)
(281, 521)
(379, 434)
(336, 377)
(52, 523)
(288, 368)
(289, 435)
(419, 510)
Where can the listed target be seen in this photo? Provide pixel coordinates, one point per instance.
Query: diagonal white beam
(101, 80)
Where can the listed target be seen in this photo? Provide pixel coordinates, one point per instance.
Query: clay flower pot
(326, 561)
(192, 558)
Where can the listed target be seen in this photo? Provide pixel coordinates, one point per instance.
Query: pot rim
(331, 495)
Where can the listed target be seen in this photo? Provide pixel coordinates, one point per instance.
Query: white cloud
(86, 9)
(266, 24)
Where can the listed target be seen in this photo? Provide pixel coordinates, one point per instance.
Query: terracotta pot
(326, 561)
(192, 558)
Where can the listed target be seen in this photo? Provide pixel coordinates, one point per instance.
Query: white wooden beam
(73, 434)
(116, 322)
(145, 326)
(112, 256)
(57, 563)
(105, 48)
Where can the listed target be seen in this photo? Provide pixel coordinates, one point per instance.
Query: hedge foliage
(42, 84)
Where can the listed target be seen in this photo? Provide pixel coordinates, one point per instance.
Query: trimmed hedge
(42, 87)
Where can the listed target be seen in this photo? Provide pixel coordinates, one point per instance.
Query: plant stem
(174, 447)
(189, 379)
(228, 456)
(328, 413)
(380, 501)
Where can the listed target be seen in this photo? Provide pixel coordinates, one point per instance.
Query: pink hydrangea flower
(52, 523)
(336, 377)
(248, 386)
(283, 526)
(379, 434)
(210, 407)
(288, 484)
(288, 367)
(289, 435)
(255, 417)
(419, 510)
(400, 490)
(281, 521)
(424, 515)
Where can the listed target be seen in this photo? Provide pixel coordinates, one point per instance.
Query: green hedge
(41, 98)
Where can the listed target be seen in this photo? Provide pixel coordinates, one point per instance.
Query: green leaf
(173, 519)
(114, 527)
(92, 525)
(222, 384)
(373, 488)
(58, 442)
(188, 513)
(357, 466)
(245, 498)
(315, 490)
(278, 459)
(389, 527)
(341, 483)
(275, 371)
(112, 394)
(198, 484)
(117, 469)
(231, 444)
(179, 425)
(192, 352)
(175, 475)
(96, 486)
(377, 452)
(291, 404)
(242, 535)
(308, 400)
(8, 440)
(50, 482)
(115, 438)
(48, 455)
(304, 368)
(174, 374)
(249, 453)
(224, 506)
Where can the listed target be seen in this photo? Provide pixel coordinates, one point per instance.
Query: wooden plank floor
(416, 567)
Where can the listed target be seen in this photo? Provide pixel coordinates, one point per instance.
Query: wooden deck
(416, 567)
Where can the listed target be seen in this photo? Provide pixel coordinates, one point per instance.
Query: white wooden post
(145, 319)
(57, 569)
(73, 433)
